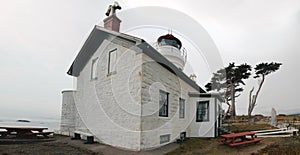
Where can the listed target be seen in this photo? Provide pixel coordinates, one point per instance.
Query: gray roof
(208, 95)
(99, 34)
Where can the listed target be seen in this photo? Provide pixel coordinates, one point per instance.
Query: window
(94, 69)
(202, 111)
(181, 107)
(170, 42)
(164, 139)
(112, 60)
(163, 103)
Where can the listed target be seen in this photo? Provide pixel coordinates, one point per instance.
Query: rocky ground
(193, 146)
(63, 145)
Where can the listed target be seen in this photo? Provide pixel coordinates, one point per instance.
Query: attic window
(94, 69)
(112, 60)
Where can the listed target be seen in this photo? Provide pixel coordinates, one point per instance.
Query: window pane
(164, 139)
(181, 107)
(94, 68)
(163, 103)
(112, 61)
(202, 111)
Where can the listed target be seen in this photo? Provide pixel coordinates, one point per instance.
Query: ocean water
(52, 124)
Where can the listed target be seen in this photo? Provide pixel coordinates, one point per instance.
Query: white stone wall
(121, 109)
(155, 78)
(203, 129)
(70, 119)
(68, 114)
(109, 106)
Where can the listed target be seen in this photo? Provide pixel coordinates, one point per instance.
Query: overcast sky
(39, 39)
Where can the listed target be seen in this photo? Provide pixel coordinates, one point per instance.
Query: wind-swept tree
(227, 81)
(261, 71)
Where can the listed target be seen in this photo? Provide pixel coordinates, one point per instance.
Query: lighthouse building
(132, 95)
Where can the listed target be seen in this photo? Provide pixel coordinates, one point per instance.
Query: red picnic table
(237, 139)
(23, 132)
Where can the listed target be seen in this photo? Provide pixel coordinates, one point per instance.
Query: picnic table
(241, 138)
(23, 132)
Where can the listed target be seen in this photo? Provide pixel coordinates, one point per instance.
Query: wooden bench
(256, 140)
(89, 137)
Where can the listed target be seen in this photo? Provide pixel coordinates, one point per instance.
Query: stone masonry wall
(155, 78)
(109, 106)
(68, 113)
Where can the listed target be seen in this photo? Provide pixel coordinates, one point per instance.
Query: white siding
(203, 129)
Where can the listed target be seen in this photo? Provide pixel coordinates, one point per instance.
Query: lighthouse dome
(171, 48)
(169, 39)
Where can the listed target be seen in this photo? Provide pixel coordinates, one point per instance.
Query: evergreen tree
(228, 82)
(261, 71)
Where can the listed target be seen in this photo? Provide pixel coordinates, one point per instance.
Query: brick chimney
(112, 22)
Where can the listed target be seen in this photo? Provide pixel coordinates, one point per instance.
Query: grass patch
(284, 146)
(249, 127)
(269, 146)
